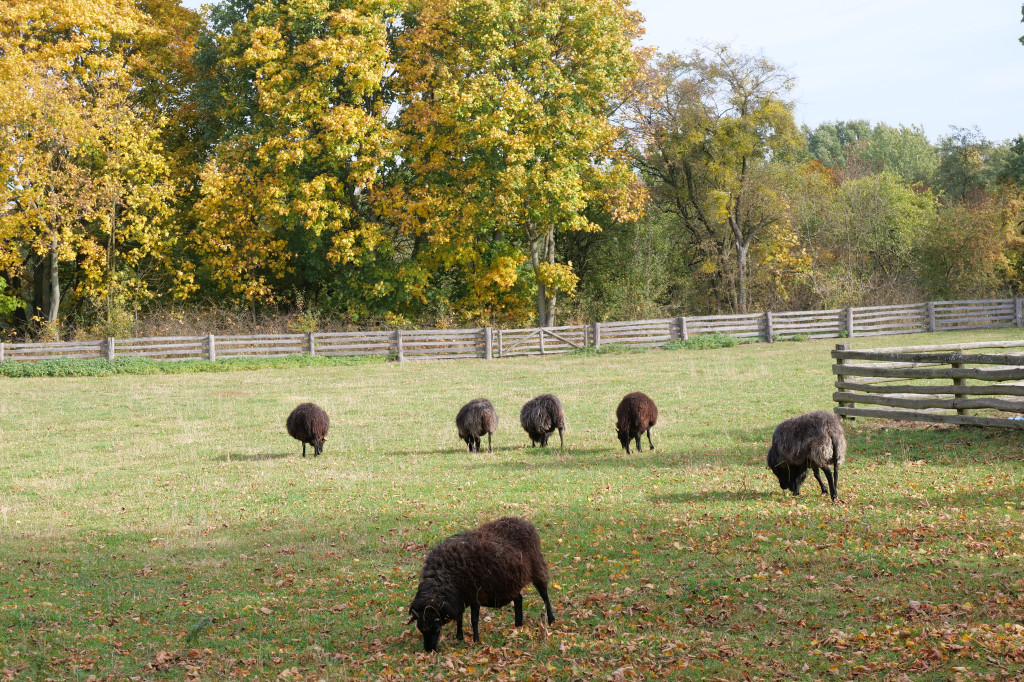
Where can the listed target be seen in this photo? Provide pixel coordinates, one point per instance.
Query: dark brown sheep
(540, 417)
(815, 440)
(489, 567)
(308, 423)
(476, 418)
(636, 414)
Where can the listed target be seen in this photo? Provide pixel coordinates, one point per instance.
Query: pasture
(165, 527)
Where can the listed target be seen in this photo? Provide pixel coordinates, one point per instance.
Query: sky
(931, 63)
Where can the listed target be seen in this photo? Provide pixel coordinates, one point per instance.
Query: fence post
(1018, 317)
(842, 377)
(683, 336)
(597, 336)
(488, 347)
(399, 350)
(931, 316)
(211, 348)
(541, 330)
(849, 322)
(312, 345)
(110, 349)
(768, 332)
(499, 344)
(957, 381)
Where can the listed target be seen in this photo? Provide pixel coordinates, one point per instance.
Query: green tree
(830, 143)
(966, 166)
(907, 152)
(706, 129)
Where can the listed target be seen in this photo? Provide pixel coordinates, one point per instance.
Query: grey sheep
(540, 417)
(634, 416)
(308, 423)
(814, 440)
(476, 418)
(489, 567)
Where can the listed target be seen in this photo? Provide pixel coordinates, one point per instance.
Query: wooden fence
(951, 384)
(491, 343)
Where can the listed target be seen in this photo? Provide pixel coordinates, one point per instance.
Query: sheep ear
(413, 616)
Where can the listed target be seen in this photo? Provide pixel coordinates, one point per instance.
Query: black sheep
(540, 417)
(476, 418)
(308, 423)
(814, 440)
(489, 567)
(635, 415)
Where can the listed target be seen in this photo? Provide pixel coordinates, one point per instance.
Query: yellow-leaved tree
(84, 194)
(506, 138)
(298, 93)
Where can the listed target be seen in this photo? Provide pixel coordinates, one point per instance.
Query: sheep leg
(489, 442)
(303, 448)
(831, 484)
(517, 601)
(474, 618)
(561, 443)
(638, 447)
(542, 589)
(817, 475)
(835, 477)
(458, 628)
(649, 439)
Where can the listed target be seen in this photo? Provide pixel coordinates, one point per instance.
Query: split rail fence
(491, 343)
(950, 384)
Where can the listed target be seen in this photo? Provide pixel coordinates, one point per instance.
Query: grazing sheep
(476, 418)
(540, 417)
(635, 415)
(308, 423)
(489, 567)
(813, 440)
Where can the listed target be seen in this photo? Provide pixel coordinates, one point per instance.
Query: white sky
(932, 63)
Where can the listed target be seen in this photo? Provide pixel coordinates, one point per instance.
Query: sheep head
(624, 437)
(428, 620)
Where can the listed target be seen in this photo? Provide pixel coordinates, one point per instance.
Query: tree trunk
(54, 281)
(541, 293)
(741, 277)
(549, 247)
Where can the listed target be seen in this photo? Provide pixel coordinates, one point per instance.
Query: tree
(830, 143)
(1012, 169)
(83, 180)
(973, 251)
(706, 127)
(505, 138)
(298, 88)
(964, 164)
(904, 151)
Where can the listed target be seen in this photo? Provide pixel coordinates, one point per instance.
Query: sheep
(489, 567)
(635, 415)
(476, 418)
(308, 423)
(540, 417)
(816, 440)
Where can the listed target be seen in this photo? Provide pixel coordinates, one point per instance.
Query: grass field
(165, 527)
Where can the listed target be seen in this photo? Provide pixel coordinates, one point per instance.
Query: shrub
(704, 342)
(66, 367)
